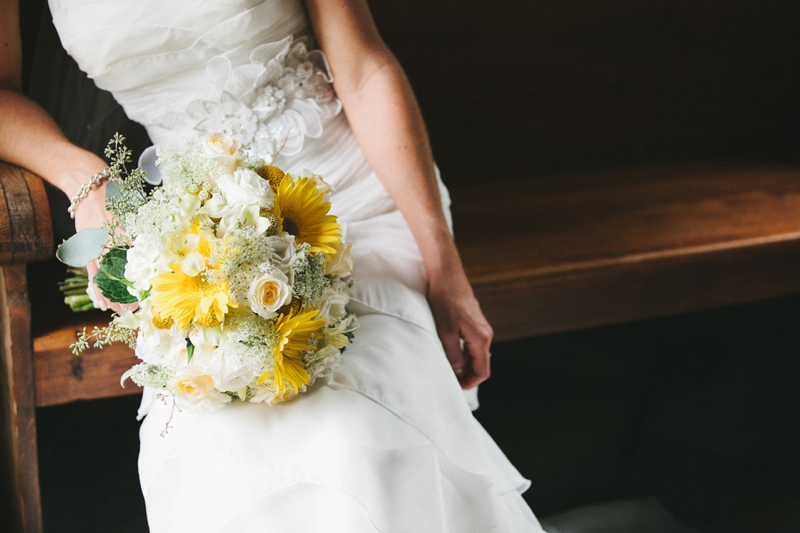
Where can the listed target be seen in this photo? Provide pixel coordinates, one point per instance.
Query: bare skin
(384, 116)
(386, 120)
(31, 139)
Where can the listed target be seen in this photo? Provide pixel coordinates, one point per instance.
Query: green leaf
(110, 279)
(112, 190)
(125, 192)
(189, 350)
(83, 247)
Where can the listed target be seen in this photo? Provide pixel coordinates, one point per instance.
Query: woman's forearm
(386, 120)
(30, 138)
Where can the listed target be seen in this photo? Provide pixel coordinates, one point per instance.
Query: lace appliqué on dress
(271, 103)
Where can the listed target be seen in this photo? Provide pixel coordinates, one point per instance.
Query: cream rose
(191, 384)
(268, 292)
(341, 264)
(223, 147)
(322, 186)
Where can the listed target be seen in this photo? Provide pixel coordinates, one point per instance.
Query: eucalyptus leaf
(117, 191)
(112, 190)
(83, 247)
(110, 278)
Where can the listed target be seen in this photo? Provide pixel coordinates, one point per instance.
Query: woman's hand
(463, 330)
(91, 213)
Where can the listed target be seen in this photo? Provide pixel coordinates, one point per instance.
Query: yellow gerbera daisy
(304, 214)
(294, 333)
(185, 298)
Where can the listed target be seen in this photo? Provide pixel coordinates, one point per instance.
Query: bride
(388, 442)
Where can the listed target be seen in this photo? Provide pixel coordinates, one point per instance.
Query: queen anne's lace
(271, 103)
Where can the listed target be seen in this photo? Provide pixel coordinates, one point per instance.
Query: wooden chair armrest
(26, 230)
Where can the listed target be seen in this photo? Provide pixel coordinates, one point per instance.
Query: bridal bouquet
(237, 271)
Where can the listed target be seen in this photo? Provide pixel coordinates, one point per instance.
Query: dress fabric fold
(388, 443)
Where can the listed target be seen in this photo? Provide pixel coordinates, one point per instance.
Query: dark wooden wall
(525, 88)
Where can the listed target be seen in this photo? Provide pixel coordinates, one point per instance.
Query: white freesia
(268, 292)
(187, 248)
(336, 335)
(157, 346)
(188, 205)
(202, 336)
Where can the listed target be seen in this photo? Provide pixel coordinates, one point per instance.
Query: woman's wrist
(69, 167)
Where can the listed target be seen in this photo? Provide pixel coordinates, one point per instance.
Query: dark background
(699, 410)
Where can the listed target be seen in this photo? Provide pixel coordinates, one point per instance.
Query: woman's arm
(386, 120)
(30, 138)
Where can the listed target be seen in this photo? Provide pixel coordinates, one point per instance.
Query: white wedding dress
(388, 443)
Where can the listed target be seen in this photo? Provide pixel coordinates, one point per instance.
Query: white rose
(341, 264)
(227, 365)
(268, 292)
(246, 187)
(282, 252)
(332, 305)
(223, 147)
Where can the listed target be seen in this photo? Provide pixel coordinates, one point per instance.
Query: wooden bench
(544, 256)
(608, 162)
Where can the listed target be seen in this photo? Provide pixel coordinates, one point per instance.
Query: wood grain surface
(589, 249)
(26, 230)
(19, 453)
(62, 377)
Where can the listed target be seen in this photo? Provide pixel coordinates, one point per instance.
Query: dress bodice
(188, 67)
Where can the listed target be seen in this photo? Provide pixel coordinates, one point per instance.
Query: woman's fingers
(477, 340)
(99, 299)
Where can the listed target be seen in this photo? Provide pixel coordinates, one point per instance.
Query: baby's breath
(147, 375)
(187, 171)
